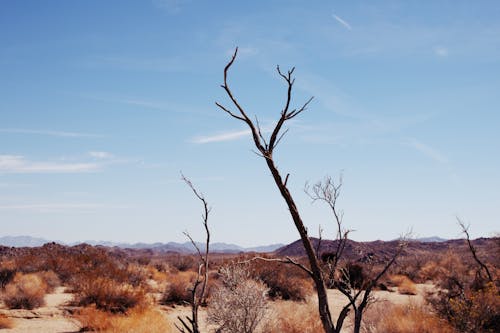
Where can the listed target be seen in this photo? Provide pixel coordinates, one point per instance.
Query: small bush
(7, 272)
(139, 320)
(5, 322)
(109, 295)
(51, 280)
(25, 291)
(404, 284)
(178, 290)
(469, 310)
(284, 281)
(294, 318)
(239, 304)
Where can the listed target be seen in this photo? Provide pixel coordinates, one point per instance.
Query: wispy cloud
(427, 150)
(226, 136)
(342, 22)
(100, 154)
(49, 133)
(441, 51)
(19, 164)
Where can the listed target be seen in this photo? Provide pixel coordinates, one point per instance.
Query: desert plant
(139, 320)
(7, 272)
(404, 284)
(238, 305)
(25, 291)
(286, 318)
(178, 289)
(108, 295)
(325, 191)
(410, 318)
(51, 280)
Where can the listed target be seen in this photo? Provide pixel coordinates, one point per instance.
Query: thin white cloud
(428, 151)
(342, 22)
(18, 164)
(227, 136)
(49, 133)
(441, 51)
(100, 154)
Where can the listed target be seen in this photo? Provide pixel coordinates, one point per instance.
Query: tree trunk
(324, 310)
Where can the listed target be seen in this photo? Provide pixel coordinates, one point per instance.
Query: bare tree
(327, 192)
(190, 324)
(472, 249)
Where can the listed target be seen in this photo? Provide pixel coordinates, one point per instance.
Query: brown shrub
(404, 284)
(294, 318)
(284, 281)
(139, 320)
(469, 310)
(388, 318)
(178, 290)
(239, 304)
(108, 295)
(25, 291)
(7, 272)
(51, 280)
(5, 322)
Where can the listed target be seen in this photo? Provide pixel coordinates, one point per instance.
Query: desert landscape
(84, 288)
(281, 166)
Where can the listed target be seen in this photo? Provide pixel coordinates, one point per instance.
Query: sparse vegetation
(239, 304)
(286, 318)
(25, 291)
(139, 320)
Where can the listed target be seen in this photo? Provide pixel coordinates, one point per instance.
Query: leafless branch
(465, 230)
(192, 326)
(287, 260)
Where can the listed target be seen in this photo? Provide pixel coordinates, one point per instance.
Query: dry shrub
(25, 291)
(284, 281)
(470, 310)
(293, 317)
(139, 320)
(51, 280)
(239, 304)
(404, 284)
(178, 290)
(7, 272)
(5, 322)
(388, 318)
(109, 295)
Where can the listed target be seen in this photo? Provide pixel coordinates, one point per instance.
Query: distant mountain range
(187, 247)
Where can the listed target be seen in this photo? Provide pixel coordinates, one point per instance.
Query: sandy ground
(54, 317)
(49, 318)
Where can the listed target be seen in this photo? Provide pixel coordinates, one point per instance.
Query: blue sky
(103, 103)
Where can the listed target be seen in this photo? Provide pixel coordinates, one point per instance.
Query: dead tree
(326, 192)
(472, 249)
(190, 324)
(265, 148)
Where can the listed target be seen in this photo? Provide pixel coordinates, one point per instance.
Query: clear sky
(103, 103)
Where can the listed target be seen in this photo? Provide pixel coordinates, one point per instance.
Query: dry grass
(404, 284)
(109, 295)
(178, 288)
(25, 291)
(51, 280)
(5, 322)
(293, 317)
(387, 318)
(139, 320)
